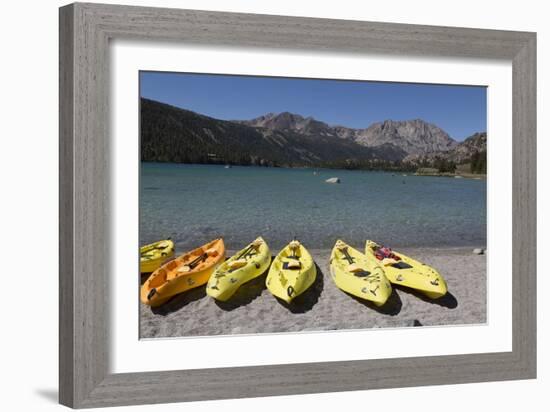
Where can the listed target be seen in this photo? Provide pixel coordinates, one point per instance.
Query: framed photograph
(259, 205)
(279, 181)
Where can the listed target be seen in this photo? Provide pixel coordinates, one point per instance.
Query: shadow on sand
(392, 306)
(180, 301)
(245, 294)
(305, 302)
(448, 301)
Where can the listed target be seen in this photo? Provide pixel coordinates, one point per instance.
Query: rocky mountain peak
(415, 136)
(288, 121)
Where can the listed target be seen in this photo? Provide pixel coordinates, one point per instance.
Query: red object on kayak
(384, 252)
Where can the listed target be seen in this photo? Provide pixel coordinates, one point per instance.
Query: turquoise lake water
(194, 204)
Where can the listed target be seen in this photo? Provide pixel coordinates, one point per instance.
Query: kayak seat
(236, 264)
(401, 265)
(171, 265)
(354, 267)
(293, 265)
(361, 274)
(211, 252)
(388, 261)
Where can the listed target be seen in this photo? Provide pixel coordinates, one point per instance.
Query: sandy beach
(325, 307)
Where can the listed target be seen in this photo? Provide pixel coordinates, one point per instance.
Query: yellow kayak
(188, 271)
(245, 265)
(359, 274)
(403, 270)
(291, 273)
(154, 255)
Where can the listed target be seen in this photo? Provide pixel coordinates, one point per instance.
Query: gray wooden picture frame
(85, 32)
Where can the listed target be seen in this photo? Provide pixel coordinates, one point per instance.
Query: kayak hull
(154, 255)
(226, 280)
(413, 274)
(288, 283)
(359, 274)
(188, 271)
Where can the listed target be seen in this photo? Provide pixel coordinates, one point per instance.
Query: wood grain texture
(84, 175)
(85, 31)
(66, 229)
(524, 204)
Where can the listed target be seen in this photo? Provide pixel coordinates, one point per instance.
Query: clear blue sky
(459, 110)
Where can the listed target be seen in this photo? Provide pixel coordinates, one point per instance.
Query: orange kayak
(188, 271)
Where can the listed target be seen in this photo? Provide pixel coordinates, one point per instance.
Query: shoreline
(323, 306)
(409, 172)
(474, 176)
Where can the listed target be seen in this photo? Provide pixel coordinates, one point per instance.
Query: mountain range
(171, 134)
(412, 136)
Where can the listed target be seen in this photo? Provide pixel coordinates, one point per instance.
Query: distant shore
(458, 175)
(318, 168)
(325, 307)
(323, 166)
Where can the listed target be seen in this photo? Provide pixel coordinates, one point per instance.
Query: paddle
(347, 256)
(197, 260)
(248, 249)
(154, 246)
(244, 252)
